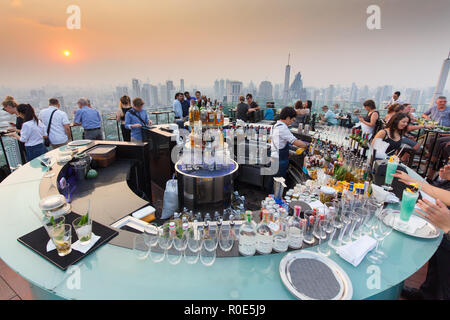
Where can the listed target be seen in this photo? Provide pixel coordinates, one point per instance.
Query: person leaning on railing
(89, 118)
(32, 133)
(136, 118)
(10, 105)
(124, 107)
(437, 283)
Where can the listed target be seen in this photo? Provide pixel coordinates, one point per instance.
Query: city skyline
(329, 43)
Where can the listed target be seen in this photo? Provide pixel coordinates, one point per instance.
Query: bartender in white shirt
(281, 139)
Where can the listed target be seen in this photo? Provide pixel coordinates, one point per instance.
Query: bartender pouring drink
(281, 139)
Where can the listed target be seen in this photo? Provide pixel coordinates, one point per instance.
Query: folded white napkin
(411, 226)
(382, 195)
(355, 252)
(77, 245)
(85, 248)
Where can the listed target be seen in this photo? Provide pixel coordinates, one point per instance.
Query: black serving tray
(37, 241)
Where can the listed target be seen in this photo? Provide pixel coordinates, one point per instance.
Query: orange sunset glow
(245, 40)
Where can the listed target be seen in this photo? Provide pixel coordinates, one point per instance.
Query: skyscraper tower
(287, 74)
(182, 85)
(441, 81)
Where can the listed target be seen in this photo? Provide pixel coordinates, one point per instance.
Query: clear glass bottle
(247, 237)
(296, 228)
(280, 236)
(264, 236)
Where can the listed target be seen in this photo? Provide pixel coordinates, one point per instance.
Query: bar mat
(37, 241)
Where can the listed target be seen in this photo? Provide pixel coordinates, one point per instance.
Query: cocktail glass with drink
(83, 228)
(409, 199)
(61, 236)
(390, 169)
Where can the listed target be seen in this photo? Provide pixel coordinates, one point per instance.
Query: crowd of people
(51, 128)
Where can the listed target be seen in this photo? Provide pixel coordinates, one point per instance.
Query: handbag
(47, 139)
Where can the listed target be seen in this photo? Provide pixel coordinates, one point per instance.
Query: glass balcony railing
(10, 155)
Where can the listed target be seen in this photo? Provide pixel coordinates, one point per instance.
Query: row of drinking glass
(187, 246)
(346, 221)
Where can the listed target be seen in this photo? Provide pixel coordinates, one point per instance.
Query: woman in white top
(32, 133)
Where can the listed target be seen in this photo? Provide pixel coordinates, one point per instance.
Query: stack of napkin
(355, 252)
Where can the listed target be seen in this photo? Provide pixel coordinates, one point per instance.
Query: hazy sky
(201, 40)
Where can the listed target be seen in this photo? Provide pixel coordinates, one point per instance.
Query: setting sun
(66, 53)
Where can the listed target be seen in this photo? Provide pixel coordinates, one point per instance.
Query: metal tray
(346, 291)
(78, 143)
(428, 231)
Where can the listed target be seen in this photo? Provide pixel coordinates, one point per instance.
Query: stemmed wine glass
(380, 231)
(47, 163)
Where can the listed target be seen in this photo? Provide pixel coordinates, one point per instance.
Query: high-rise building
(414, 97)
(234, 90)
(277, 91)
(154, 101)
(353, 93)
(287, 74)
(216, 89)
(296, 89)
(330, 95)
(440, 86)
(252, 89)
(265, 91)
(145, 93)
(170, 91)
(164, 95)
(364, 94)
(182, 85)
(222, 89)
(120, 92)
(136, 88)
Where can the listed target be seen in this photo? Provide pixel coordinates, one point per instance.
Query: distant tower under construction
(287, 75)
(441, 81)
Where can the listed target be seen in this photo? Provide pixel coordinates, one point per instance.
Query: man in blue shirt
(439, 113)
(329, 118)
(135, 119)
(89, 118)
(177, 106)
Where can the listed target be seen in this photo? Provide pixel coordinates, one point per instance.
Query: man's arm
(77, 119)
(426, 114)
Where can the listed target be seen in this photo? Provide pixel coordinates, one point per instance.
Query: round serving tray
(78, 143)
(427, 231)
(346, 289)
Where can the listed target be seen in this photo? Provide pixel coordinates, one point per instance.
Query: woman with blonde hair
(124, 107)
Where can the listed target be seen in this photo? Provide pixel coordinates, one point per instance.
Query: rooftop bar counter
(113, 272)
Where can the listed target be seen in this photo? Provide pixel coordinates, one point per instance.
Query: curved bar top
(113, 272)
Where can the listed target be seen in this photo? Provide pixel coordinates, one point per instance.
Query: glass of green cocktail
(409, 199)
(390, 169)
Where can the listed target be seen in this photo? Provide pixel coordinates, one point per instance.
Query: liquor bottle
(191, 116)
(196, 112)
(203, 115)
(296, 229)
(247, 237)
(280, 236)
(211, 115)
(264, 236)
(218, 121)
